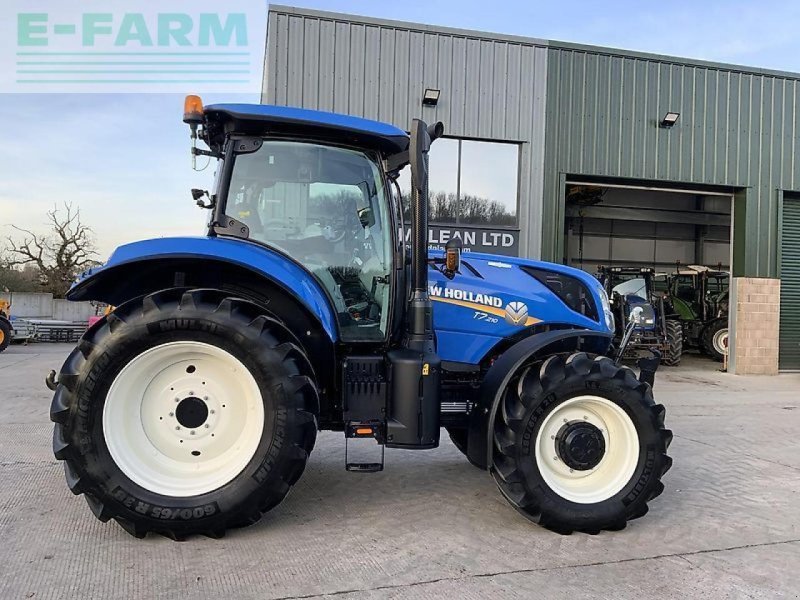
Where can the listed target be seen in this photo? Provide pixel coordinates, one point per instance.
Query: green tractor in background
(698, 296)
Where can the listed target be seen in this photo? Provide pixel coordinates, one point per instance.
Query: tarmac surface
(430, 525)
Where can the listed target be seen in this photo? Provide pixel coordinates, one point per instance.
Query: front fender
(479, 441)
(108, 282)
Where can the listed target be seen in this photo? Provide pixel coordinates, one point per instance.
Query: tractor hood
(493, 298)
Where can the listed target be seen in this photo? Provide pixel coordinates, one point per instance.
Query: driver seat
(369, 271)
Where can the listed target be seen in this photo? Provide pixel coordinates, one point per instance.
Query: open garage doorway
(676, 239)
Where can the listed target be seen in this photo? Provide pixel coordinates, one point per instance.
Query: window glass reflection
(471, 183)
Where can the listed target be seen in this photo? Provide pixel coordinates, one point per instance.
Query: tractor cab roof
(261, 119)
(698, 269)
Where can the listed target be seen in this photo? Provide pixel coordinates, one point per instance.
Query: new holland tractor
(193, 406)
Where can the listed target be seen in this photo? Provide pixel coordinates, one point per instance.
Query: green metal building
(574, 153)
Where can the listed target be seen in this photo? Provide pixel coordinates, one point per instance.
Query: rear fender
(151, 265)
(541, 345)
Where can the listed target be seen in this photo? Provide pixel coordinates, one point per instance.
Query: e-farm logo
(141, 51)
(173, 29)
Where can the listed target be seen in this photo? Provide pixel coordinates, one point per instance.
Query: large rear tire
(672, 357)
(715, 339)
(185, 412)
(579, 444)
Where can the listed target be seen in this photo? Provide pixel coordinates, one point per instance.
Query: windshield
(325, 207)
(631, 287)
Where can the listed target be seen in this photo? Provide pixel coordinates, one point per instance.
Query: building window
(471, 183)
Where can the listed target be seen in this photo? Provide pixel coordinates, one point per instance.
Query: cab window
(326, 207)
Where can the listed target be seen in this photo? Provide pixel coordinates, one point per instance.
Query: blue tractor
(194, 405)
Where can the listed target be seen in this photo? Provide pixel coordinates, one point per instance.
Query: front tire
(579, 444)
(460, 438)
(672, 357)
(184, 413)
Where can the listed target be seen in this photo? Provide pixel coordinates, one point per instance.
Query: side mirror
(366, 217)
(636, 317)
(452, 257)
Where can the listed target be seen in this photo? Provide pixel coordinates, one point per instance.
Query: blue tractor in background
(656, 328)
(194, 405)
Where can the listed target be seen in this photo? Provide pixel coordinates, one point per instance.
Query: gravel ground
(430, 525)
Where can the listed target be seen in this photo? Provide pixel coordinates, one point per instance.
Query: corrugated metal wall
(491, 88)
(736, 129)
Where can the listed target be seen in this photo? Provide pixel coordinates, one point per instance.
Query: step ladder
(370, 445)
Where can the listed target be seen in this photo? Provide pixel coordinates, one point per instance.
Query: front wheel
(674, 350)
(184, 413)
(579, 444)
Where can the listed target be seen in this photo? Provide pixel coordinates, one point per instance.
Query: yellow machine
(5, 323)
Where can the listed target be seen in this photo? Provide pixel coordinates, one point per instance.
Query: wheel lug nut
(177, 399)
(191, 393)
(212, 411)
(191, 433)
(555, 458)
(207, 425)
(177, 427)
(205, 398)
(171, 414)
(585, 418)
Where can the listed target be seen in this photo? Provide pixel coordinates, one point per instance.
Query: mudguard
(100, 282)
(480, 431)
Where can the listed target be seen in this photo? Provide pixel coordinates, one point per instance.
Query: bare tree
(62, 253)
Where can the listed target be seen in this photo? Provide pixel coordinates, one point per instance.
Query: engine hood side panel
(492, 299)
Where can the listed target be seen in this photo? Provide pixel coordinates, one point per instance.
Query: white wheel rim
(143, 428)
(617, 465)
(720, 341)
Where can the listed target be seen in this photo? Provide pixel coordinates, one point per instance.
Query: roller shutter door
(790, 286)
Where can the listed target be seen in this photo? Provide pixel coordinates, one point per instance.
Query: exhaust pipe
(413, 411)
(420, 318)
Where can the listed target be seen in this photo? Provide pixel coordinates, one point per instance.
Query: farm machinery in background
(631, 291)
(698, 296)
(5, 324)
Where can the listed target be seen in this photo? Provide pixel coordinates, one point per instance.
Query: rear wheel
(5, 334)
(579, 444)
(184, 413)
(672, 357)
(715, 339)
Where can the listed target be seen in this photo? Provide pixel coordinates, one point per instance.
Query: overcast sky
(123, 159)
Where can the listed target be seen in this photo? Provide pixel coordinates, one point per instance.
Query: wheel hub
(191, 412)
(183, 418)
(580, 445)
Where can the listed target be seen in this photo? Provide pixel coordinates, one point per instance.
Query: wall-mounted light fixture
(669, 120)
(430, 97)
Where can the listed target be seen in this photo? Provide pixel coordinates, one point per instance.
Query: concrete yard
(430, 525)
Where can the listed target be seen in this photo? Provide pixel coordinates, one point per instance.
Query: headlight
(606, 307)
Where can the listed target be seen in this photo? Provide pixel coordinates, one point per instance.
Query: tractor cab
(314, 189)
